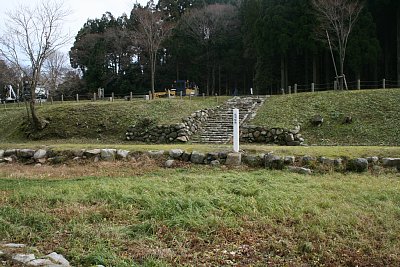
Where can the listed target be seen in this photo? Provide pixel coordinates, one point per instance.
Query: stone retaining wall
(280, 136)
(179, 132)
(171, 158)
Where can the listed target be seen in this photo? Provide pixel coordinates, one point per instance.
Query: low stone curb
(19, 254)
(171, 157)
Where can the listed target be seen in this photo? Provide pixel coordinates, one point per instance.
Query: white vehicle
(10, 95)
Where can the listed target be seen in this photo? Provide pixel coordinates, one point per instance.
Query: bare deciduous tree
(32, 35)
(55, 66)
(337, 19)
(208, 25)
(150, 31)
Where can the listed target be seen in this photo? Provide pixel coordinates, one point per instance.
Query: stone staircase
(219, 126)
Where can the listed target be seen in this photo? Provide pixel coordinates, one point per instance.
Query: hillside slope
(375, 116)
(106, 121)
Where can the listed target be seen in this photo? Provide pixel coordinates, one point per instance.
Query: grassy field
(135, 214)
(375, 115)
(96, 121)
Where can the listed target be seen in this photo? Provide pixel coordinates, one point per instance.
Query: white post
(289, 89)
(77, 98)
(236, 130)
(295, 88)
(251, 91)
(313, 87)
(384, 83)
(130, 96)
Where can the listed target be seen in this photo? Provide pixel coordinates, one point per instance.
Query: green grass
(97, 121)
(195, 216)
(375, 115)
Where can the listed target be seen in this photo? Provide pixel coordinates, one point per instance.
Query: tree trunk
(286, 74)
(219, 79)
(314, 65)
(306, 68)
(282, 72)
(398, 45)
(213, 80)
(341, 81)
(37, 122)
(327, 68)
(153, 70)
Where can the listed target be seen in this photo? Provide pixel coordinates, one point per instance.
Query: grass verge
(123, 214)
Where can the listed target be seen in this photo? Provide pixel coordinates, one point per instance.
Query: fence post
(62, 98)
(130, 96)
(180, 94)
(313, 87)
(204, 96)
(150, 95)
(384, 83)
(169, 94)
(335, 85)
(112, 97)
(358, 84)
(290, 89)
(295, 88)
(77, 98)
(283, 91)
(94, 97)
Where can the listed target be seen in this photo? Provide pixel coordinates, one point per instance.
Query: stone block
(197, 157)
(175, 153)
(108, 154)
(23, 258)
(273, 162)
(391, 162)
(169, 163)
(233, 159)
(40, 154)
(253, 160)
(300, 170)
(26, 153)
(92, 153)
(58, 258)
(357, 165)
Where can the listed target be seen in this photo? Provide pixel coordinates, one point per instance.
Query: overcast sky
(82, 10)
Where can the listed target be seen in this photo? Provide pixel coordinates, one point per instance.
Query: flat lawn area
(127, 214)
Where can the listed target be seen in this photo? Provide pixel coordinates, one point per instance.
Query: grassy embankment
(375, 114)
(103, 124)
(96, 122)
(125, 214)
